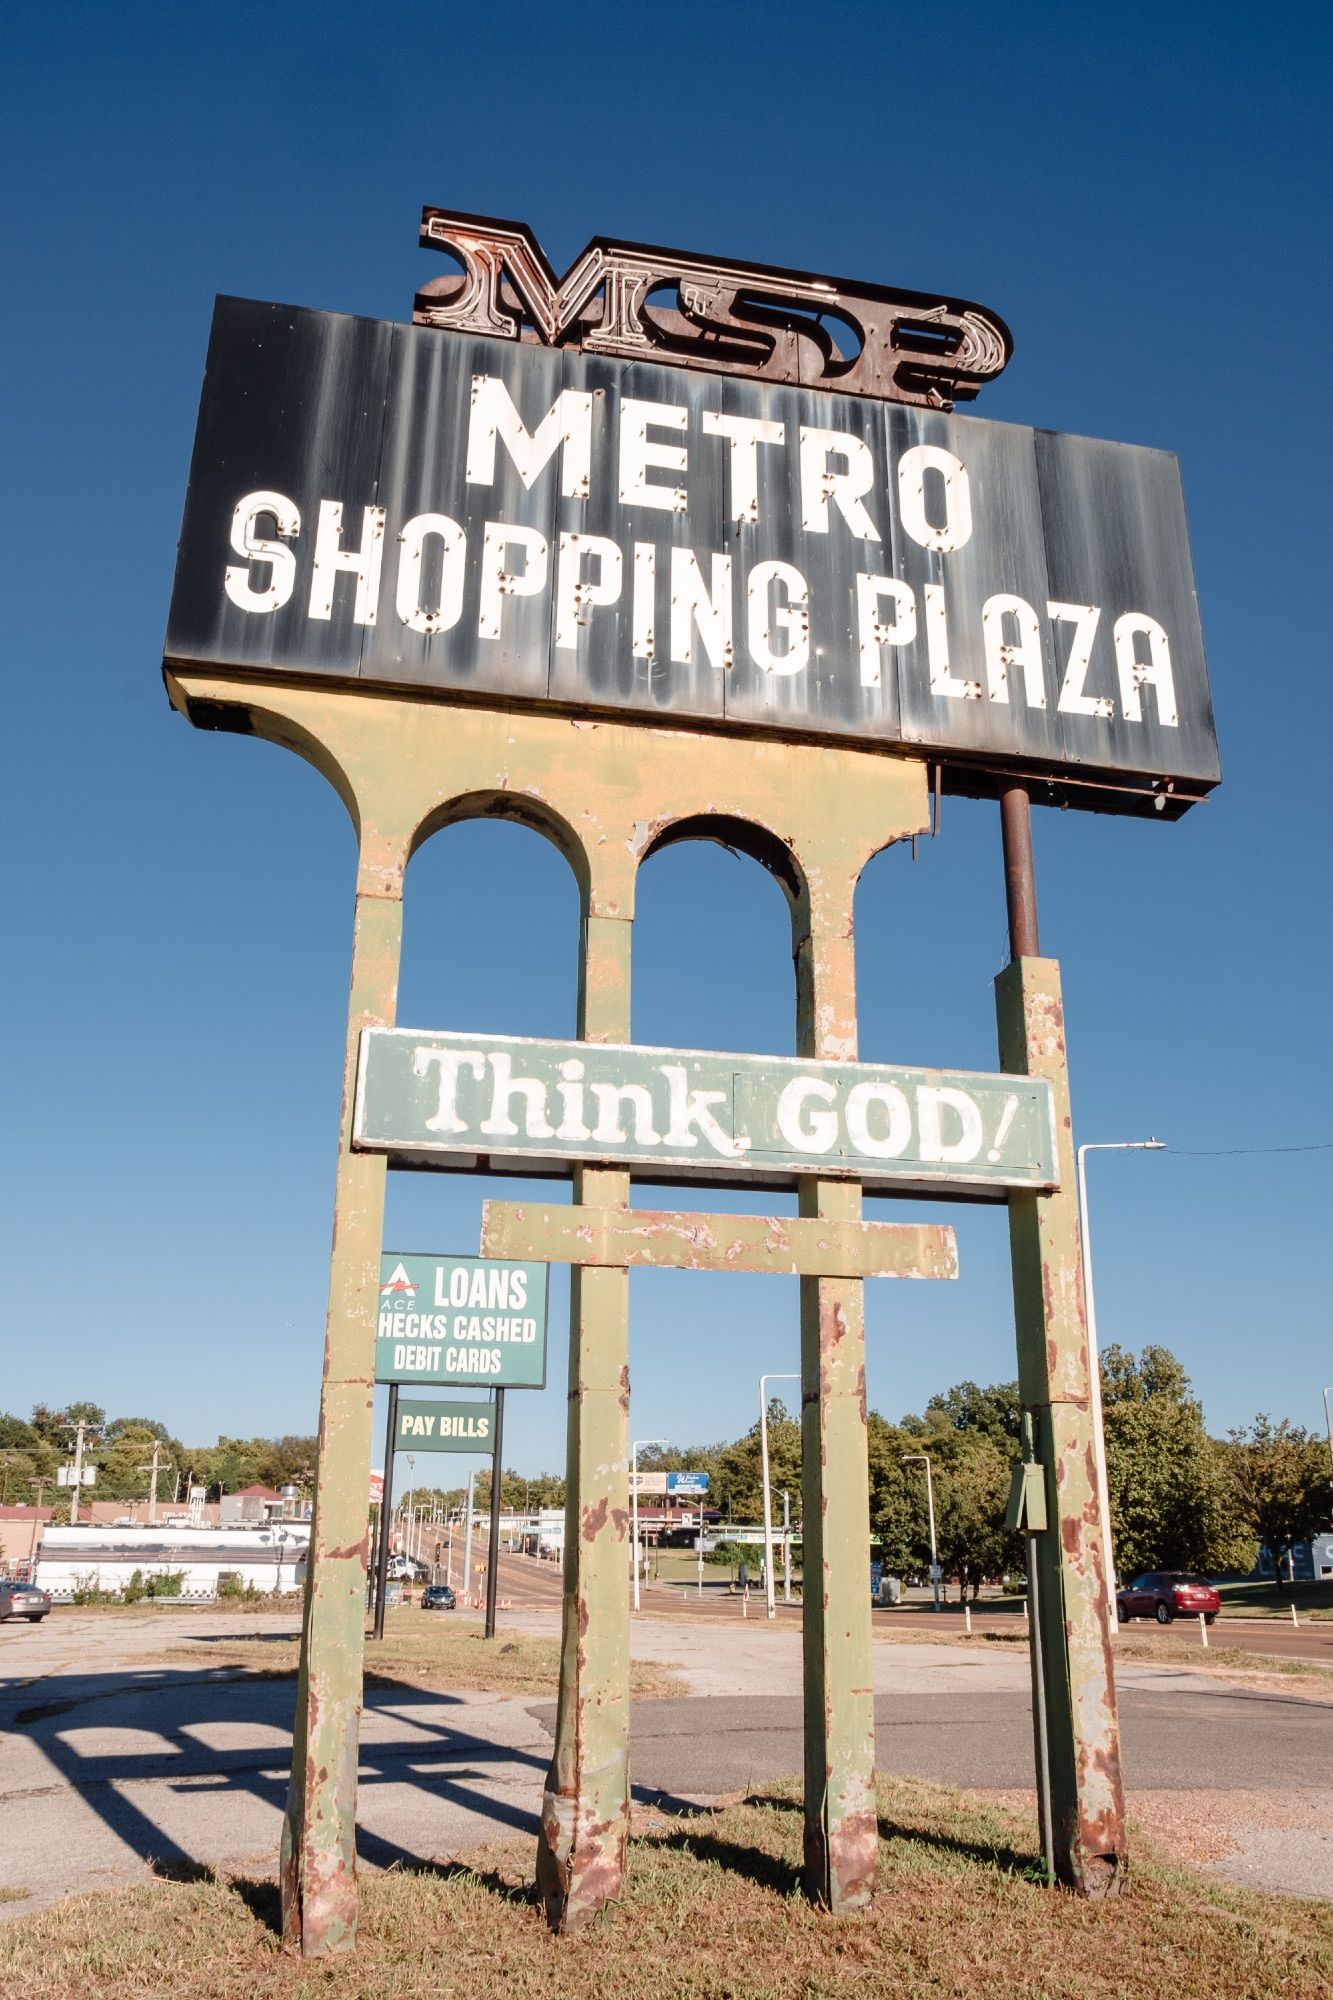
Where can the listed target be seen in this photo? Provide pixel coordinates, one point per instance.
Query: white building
(269, 1559)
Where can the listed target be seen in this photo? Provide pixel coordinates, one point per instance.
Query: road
(528, 1584)
(113, 1765)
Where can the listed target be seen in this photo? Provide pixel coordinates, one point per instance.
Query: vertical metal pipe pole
(1020, 881)
(493, 1552)
(467, 1538)
(769, 1603)
(386, 1512)
(634, 1520)
(786, 1546)
(1074, 1705)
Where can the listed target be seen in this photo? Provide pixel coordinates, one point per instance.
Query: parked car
(438, 1597)
(406, 1569)
(24, 1600)
(1167, 1594)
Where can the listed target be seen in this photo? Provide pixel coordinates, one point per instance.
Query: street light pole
(764, 1381)
(1094, 1358)
(924, 1457)
(634, 1505)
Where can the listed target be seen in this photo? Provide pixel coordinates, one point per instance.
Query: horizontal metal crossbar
(806, 1245)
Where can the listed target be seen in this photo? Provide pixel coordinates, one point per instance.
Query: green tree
(126, 1454)
(1171, 1507)
(994, 1412)
(1279, 1476)
(971, 1495)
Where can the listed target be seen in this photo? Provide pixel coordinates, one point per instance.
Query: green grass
(711, 1911)
(1265, 1600)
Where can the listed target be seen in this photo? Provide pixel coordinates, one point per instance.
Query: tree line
(1180, 1499)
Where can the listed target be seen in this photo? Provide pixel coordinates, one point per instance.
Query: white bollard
(967, 1619)
(1294, 1619)
(745, 1602)
(1203, 1628)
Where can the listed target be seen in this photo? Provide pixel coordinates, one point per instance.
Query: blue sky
(1142, 193)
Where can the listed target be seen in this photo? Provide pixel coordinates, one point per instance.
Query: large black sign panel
(428, 510)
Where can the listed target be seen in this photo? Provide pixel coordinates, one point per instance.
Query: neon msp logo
(400, 1286)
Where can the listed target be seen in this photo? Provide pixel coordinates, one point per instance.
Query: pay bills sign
(422, 508)
(424, 1426)
(461, 1321)
(493, 1103)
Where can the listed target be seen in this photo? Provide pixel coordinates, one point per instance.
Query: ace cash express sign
(461, 1322)
(425, 509)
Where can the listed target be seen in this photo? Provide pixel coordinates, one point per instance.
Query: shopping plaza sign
(702, 530)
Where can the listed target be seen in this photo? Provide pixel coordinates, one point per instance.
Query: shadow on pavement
(179, 1711)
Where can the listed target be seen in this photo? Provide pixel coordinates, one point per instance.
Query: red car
(1167, 1594)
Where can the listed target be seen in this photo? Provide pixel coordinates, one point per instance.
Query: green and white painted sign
(470, 1102)
(441, 1426)
(461, 1321)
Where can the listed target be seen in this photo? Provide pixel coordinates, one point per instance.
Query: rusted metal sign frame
(607, 797)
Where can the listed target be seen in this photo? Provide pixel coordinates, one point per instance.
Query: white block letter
(450, 1061)
(1002, 654)
(744, 435)
(244, 540)
(498, 582)
(692, 604)
(1135, 673)
(808, 1131)
(897, 1111)
(791, 614)
(407, 599)
(686, 1107)
(1073, 701)
(930, 1104)
(574, 598)
(937, 650)
(567, 427)
(505, 1086)
(638, 452)
(819, 484)
(363, 563)
(915, 463)
(871, 629)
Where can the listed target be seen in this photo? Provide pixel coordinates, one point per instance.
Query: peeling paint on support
(1082, 1790)
(318, 1862)
(841, 1828)
(585, 1806)
(816, 1246)
(607, 795)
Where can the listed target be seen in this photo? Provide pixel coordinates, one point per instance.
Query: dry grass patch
(712, 1911)
(435, 1651)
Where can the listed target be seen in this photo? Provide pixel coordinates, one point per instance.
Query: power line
(1233, 1152)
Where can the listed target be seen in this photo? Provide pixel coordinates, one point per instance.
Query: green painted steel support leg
(1081, 1792)
(841, 1828)
(318, 1868)
(585, 1807)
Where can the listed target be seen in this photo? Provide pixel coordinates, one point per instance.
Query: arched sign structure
(632, 574)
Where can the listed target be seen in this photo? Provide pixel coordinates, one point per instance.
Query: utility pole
(924, 1457)
(154, 1469)
(764, 1380)
(78, 1473)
